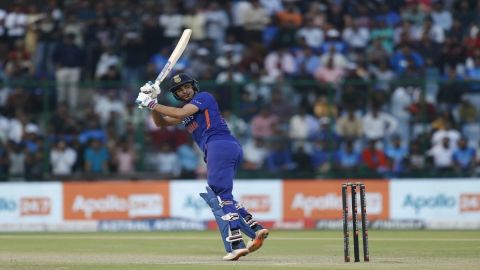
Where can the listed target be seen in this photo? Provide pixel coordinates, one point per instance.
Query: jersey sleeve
(202, 100)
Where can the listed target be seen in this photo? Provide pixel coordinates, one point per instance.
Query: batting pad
(211, 199)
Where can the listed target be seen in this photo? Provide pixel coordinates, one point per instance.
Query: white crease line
(79, 237)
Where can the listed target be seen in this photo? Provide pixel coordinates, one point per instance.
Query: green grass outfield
(203, 250)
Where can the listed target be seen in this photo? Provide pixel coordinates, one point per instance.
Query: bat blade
(177, 52)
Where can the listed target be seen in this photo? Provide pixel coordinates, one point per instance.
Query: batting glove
(151, 89)
(145, 101)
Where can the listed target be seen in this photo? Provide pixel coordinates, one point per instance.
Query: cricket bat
(177, 52)
(172, 60)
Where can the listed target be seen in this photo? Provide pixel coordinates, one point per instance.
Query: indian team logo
(177, 78)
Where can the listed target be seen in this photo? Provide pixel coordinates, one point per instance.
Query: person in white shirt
(442, 155)
(378, 125)
(254, 154)
(449, 132)
(62, 159)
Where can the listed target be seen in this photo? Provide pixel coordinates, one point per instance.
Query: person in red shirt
(374, 159)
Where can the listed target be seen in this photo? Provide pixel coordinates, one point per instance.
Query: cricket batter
(222, 153)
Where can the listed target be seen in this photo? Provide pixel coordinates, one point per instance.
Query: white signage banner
(447, 203)
(31, 203)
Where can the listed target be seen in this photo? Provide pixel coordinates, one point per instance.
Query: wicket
(363, 206)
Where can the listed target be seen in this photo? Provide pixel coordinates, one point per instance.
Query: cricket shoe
(235, 254)
(257, 242)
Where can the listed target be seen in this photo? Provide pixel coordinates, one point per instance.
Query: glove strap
(152, 104)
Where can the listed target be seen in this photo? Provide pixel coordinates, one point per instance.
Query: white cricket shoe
(254, 244)
(235, 254)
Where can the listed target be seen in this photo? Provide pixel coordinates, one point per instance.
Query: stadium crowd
(390, 88)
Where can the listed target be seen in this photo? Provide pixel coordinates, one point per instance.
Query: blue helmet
(179, 80)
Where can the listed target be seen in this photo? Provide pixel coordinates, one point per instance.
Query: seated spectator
(262, 123)
(106, 60)
(124, 157)
(416, 160)
(378, 125)
(347, 158)
(166, 161)
(355, 36)
(280, 63)
(302, 160)
(442, 154)
(290, 15)
(312, 34)
(374, 158)
(62, 159)
(16, 160)
(430, 30)
(188, 159)
(302, 126)
(326, 133)
(280, 159)
(254, 154)
(329, 73)
(322, 156)
(349, 127)
(397, 155)
(96, 157)
(464, 157)
(107, 103)
(324, 108)
(405, 56)
(447, 131)
(93, 130)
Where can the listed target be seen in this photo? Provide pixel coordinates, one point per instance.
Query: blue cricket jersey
(207, 124)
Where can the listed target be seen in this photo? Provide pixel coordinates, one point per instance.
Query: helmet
(179, 80)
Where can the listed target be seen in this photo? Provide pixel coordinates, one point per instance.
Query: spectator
(464, 157)
(188, 158)
(378, 125)
(302, 126)
(280, 63)
(448, 131)
(397, 155)
(68, 58)
(374, 158)
(16, 160)
(262, 123)
(62, 159)
(216, 21)
(107, 60)
(322, 156)
(256, 19)
(96, 157)
(417, 161)
(254, 154)
(347, 158)
(290, 16)
(279, 159)
(124, 157)
(166, 162)
(302, 160)
(442, 154)
(431, 31)
(329, 73)
(441, 17)
(349, 127)
(195, 19)
(355, 36)
(401, 59)
(312, 34)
